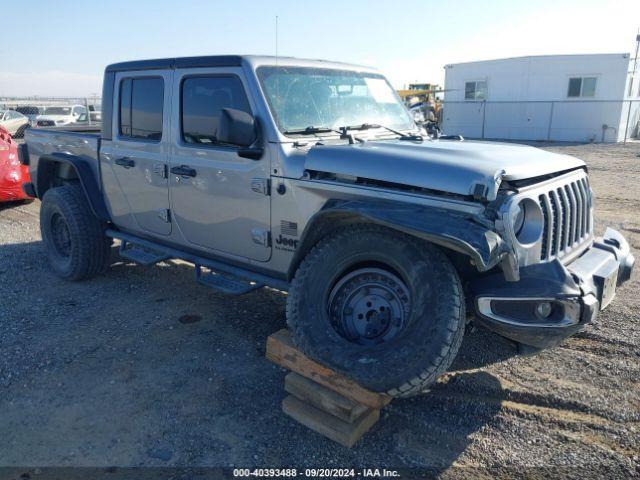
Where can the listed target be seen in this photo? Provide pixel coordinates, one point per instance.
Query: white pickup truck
(60, 116)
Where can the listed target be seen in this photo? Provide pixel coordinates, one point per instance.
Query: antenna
(277, 100)
(277, 66)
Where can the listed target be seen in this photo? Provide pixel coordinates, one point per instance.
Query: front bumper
(574, 294)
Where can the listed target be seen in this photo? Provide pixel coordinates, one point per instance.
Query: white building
(579, 98)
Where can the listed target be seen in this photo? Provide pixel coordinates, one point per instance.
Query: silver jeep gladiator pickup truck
(311, 177)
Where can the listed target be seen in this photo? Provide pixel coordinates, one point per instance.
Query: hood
(445, 165)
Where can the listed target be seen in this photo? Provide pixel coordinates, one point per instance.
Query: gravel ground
(143, 367)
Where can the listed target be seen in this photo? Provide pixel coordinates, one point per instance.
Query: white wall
(541, 79)
(630, 115)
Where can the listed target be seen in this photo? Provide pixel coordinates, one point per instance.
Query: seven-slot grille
(566, 210)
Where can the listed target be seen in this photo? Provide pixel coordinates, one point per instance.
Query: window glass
(470, 91)
(575, 85)
(141, 104)
(481, 90)
(147, 99)
(588, 87)
(203, 99)
(475, 90)
(302, 97)
(582, 87)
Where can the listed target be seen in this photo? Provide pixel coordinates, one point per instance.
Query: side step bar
(225, 283)
(141, 255)
(221, 276)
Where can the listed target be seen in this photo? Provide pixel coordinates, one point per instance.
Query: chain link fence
(554, 120)
(49, 112)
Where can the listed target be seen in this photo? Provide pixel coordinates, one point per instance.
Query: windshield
(58, 111)
(302, 97)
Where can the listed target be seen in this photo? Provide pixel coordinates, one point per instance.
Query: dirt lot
(143, 367)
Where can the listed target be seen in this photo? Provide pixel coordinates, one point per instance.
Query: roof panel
(227, 61)
(172, 63)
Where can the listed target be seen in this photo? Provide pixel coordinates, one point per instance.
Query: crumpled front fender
(450, 229)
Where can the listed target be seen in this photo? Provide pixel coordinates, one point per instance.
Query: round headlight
(527, 221)
(518, 219)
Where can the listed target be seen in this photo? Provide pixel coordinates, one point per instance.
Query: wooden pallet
(321, 399)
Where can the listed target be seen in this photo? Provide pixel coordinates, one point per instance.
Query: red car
(12, 173)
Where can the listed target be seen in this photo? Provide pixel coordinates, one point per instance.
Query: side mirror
(236, 127)
(239, 128)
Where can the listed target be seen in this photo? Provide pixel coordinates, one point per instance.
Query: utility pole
(633, 74)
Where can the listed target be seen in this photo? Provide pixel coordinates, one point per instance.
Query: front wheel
(383, 308)
(74, 238)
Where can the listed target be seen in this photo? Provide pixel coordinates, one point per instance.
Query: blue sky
(62, 46)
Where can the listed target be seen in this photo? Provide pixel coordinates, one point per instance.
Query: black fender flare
(451, 229)
(86, 177)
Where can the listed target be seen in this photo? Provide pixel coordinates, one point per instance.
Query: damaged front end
(468, 234)
(565, 274)
(539, 274)
(552, 300)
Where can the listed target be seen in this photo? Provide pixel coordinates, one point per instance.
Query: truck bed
(77, 128)
(81, 141)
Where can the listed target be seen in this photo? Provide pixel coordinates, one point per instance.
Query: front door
(135, 163)
(217, 202)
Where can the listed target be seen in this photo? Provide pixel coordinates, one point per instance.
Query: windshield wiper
(312, 130)
(403, 136)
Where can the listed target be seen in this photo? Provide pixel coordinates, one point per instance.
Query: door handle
(125, 162)
(183, 171)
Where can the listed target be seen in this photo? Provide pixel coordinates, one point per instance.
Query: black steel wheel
(369, 306)
(60, 235)
(74, 238)
(379, 306)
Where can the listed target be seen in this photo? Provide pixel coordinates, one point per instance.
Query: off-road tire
(426, 346)
(86, 250)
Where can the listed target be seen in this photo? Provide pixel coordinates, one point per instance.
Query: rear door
(221, 206)
(135, 162)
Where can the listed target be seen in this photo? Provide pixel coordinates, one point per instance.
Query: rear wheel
(379, 306)
(74, 238)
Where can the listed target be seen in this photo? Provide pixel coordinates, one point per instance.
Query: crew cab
(313, 178)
